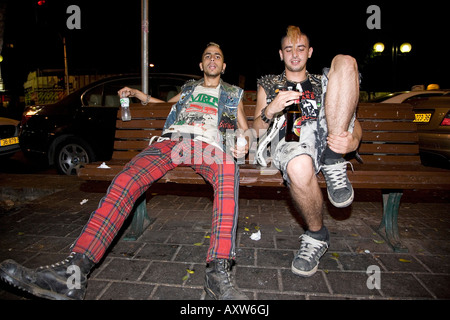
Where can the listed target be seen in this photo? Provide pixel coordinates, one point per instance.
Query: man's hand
(239, 151)
(127, 92)
(281, 101)
(343, 143)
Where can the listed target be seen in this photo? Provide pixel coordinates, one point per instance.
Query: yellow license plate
(9, 141)
(422, 117)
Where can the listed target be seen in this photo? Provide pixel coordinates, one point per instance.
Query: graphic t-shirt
(307, 99)
(200, 116)
(310, 100)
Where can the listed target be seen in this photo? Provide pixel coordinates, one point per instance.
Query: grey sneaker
(218, 283)
(339, 189)
(306, 261)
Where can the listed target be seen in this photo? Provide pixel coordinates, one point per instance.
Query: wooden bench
(389, 149)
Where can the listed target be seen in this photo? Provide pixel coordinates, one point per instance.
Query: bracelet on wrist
(263, 116)
(146, 101)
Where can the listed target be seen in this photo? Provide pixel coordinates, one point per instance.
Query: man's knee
(345, 63)
(301, 171)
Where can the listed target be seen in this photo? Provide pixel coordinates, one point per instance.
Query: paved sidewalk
(41, 215)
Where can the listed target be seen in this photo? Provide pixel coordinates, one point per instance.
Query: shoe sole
(302, 273)
(344, 204)
(215, 296)
(36, 291)
(210, 293)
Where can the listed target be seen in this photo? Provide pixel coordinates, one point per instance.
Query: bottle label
(297, 126)
(125, 102)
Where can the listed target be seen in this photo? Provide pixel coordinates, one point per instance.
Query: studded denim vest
(229, 98)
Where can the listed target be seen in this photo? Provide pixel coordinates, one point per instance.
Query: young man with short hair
(195, 128)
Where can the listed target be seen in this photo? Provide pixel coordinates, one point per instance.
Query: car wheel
(71, 155)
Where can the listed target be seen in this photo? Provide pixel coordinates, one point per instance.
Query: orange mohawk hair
(293, 33)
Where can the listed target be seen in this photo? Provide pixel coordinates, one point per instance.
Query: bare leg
(342, 93)
(307, 195)
(340, 105)
(305, 191)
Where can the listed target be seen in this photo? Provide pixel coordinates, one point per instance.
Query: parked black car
(80, 128)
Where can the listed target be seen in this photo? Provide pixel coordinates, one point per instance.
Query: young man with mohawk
(328, 130)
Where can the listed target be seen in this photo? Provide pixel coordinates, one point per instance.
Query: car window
(111, 88)
(93, 97)
(382, 98)
(106, 94)
(165, 89)
(420, 97)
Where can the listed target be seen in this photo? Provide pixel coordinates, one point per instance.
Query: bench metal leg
(140, 220)
(389, 225)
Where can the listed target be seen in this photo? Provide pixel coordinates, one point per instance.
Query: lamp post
(144, 45)
(404, 48)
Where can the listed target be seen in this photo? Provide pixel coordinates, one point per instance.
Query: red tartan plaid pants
(215, 166)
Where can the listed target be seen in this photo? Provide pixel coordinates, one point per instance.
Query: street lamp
(2, 86)
(378, 47)
(405, 47)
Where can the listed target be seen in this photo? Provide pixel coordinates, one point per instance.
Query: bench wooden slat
(124, 154)
(139, 123)
(390, 159)
(407, 137)
(378, 176)
(371, 148)
(384, 111)
(130, 144)
(393, 126)
(137, 134)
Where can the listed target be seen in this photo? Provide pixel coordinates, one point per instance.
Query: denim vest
(229, 98)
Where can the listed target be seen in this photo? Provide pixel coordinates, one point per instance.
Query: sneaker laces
(337, 174)
(309, 247)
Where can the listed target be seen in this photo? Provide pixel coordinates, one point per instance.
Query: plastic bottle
(125, 108)
(241, 142)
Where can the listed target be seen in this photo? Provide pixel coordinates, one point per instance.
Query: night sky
(248, 31)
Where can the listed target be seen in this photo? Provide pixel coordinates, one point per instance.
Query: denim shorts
(313, 139)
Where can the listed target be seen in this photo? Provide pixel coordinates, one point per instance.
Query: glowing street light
(405, 47)
(378, 47)
(396, 51)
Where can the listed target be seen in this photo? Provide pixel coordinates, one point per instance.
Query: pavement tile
(274, 258)
(123, 270)
(316, 283)
(437, 284)
(401, 262)
(166, 272)
(177, 293)
(189, 253)
(350, 283)
(156, 251)
(403, 285)
(127, 291)
(256, 278)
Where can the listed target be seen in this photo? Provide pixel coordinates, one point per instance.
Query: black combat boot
(218, 281)
(65, 280)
